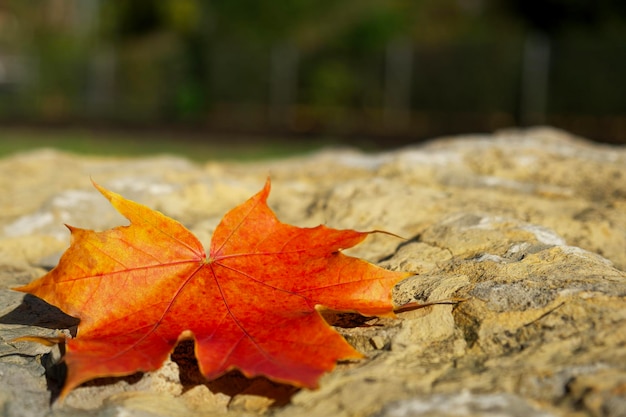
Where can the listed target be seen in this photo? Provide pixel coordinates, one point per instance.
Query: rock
(462, 405)
(528, 227)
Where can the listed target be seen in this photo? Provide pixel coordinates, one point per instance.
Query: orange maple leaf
(250, 305)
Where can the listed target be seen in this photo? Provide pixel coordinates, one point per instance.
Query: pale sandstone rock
(528, 226)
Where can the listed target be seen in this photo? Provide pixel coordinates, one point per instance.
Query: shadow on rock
(35, 312)
(232, 383)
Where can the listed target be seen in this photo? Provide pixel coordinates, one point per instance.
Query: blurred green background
(297, 73)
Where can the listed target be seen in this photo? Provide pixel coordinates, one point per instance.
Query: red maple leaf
(251, 304)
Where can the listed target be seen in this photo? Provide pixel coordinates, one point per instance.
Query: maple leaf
(251, 304)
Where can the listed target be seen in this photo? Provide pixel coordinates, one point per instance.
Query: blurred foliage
(192, 61)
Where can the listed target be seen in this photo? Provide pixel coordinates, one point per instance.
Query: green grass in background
(129, 144)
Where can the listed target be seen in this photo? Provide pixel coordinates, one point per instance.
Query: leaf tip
(23, 288)
(101, 189)
(43, 340)
(264, 193)
(268, 185)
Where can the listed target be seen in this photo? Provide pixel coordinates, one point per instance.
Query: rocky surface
(528, 226)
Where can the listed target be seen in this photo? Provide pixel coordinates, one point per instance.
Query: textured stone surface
(528, 226)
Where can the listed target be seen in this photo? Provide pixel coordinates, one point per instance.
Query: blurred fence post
(535, 79)
(100, 89)
(397, 84)
(283, 83)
